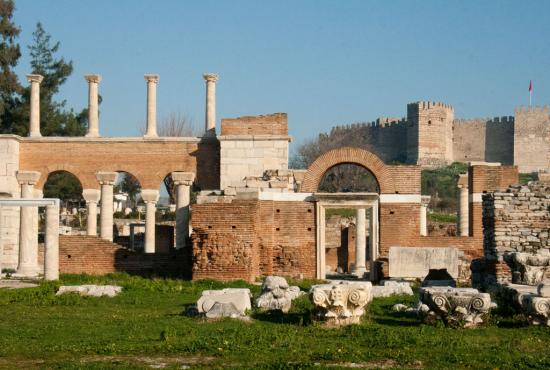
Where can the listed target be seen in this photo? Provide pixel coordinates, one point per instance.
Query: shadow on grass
(396, 321)
(278, 317)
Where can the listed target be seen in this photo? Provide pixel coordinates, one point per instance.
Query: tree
(9, 55)
(63, 185)
(55, 120)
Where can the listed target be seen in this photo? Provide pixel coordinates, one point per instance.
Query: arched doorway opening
(347, 183)
(128, 212)
(66, 187)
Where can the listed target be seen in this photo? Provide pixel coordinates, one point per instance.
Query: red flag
(530, 86)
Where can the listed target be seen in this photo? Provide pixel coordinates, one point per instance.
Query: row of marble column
(93, 104)
(28, 242)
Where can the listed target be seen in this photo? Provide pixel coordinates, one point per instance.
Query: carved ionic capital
(150, 195)
(35, 78)
(91, 195)
(93, 78)
(183, 178)
(27, 177)
(211, 77)
(341, 304)
(106, 178)
(152, 78)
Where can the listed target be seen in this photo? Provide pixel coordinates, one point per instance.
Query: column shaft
(91, 227)
(182, 215)
(360, 243)
(51, 244)
(463, 212)
(28, 240)
(152, 81)
(93, 105)
(210, 114)
(34, 129)
(150, 210)
(106, 211)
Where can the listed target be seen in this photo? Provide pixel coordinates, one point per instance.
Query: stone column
(152, 81)
(150, 197)
(373, 238)
(28, 239)
(91, 196)
(93, 105)
(34, 129)
(51, 244)
(106, 180)
(183, 182)
(360, 243)
(210, 116)
(463, 205)
(424, 201)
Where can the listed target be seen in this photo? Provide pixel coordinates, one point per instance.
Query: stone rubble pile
(341, 303)
(91, 290)
(228, 302)
(277, 294)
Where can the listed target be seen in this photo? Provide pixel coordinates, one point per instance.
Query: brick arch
(61, 167)
(361, 157)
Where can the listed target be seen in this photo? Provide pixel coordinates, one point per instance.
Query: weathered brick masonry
(246, 239)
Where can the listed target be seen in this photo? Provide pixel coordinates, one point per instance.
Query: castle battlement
(503, 119)
(423, 105)
(534, 110)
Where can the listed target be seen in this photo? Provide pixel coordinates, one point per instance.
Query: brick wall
(271, 124)
(246, 239)
(92, 255)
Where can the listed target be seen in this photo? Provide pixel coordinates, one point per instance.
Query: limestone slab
(415, 262)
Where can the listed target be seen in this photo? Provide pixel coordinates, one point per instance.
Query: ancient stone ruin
(340, 304)
(277, 294)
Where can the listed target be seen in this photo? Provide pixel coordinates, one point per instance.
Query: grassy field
(144, 327)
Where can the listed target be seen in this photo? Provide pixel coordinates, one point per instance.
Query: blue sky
(322, 62)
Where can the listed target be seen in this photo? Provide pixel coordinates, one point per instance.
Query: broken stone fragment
(230, 301)
(277, 295)
(90, 290)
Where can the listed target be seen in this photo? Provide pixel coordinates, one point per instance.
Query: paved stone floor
(16, 284)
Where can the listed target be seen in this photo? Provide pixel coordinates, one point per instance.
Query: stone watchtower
(430, 133)
(532, 139)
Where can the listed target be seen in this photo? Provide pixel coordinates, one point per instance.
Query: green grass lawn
(144, 327)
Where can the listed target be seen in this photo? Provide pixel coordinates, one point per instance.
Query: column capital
(106, 178)
(462, 180)
(27, 177)
(91, 195)
(35, 78)
(151, 78)
(211, 77)
(183, 178)
(425, 200)
(93, 78)
(150, 195)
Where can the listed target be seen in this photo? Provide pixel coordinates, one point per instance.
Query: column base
(150, 136)
(35, 134)
(28, 272)
(90, 134)
(359, 272)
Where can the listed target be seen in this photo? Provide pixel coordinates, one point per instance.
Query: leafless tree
(174, 125)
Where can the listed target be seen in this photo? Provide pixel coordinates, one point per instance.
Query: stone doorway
(366, 206)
